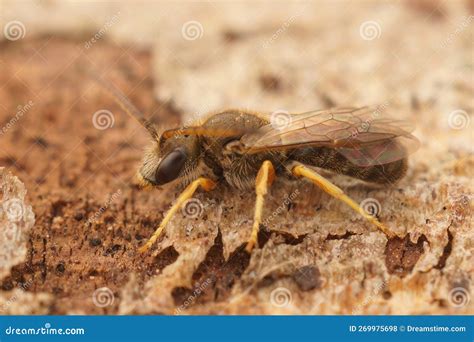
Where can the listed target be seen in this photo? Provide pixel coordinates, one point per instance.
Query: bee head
(172, 155)
(169, 158)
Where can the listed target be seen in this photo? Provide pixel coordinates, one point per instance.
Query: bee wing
(381, 152)
(360, 134)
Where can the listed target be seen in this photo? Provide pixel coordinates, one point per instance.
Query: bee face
(170, 159)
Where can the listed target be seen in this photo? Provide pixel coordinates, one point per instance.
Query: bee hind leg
(264, 180)
(205, 183)
(299, 170)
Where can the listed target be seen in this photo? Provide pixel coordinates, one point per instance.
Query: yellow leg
(302, 171)
(205, 183)
(264, 179)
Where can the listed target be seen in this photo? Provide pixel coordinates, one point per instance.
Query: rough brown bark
(315, 257)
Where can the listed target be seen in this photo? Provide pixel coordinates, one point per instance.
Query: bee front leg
(205, 183)
(264, 180)
(300, 170)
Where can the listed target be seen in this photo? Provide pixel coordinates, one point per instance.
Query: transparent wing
(381, 152)
(363, 135)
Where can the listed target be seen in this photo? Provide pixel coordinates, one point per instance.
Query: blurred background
(77, 152)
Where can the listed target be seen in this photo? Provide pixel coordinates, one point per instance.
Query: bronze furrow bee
(248, 150)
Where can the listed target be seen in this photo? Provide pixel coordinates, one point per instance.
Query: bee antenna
(125, 104)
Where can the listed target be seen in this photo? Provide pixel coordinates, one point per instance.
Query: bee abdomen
(332, 160)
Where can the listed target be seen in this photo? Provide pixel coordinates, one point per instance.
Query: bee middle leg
(205, 183)
(299, 170)
(264, 180)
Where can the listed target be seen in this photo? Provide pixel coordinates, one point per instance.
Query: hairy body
(240, 170)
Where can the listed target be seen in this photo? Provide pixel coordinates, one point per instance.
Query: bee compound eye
(170, 166)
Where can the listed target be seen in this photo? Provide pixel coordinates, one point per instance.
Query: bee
(247, 150)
